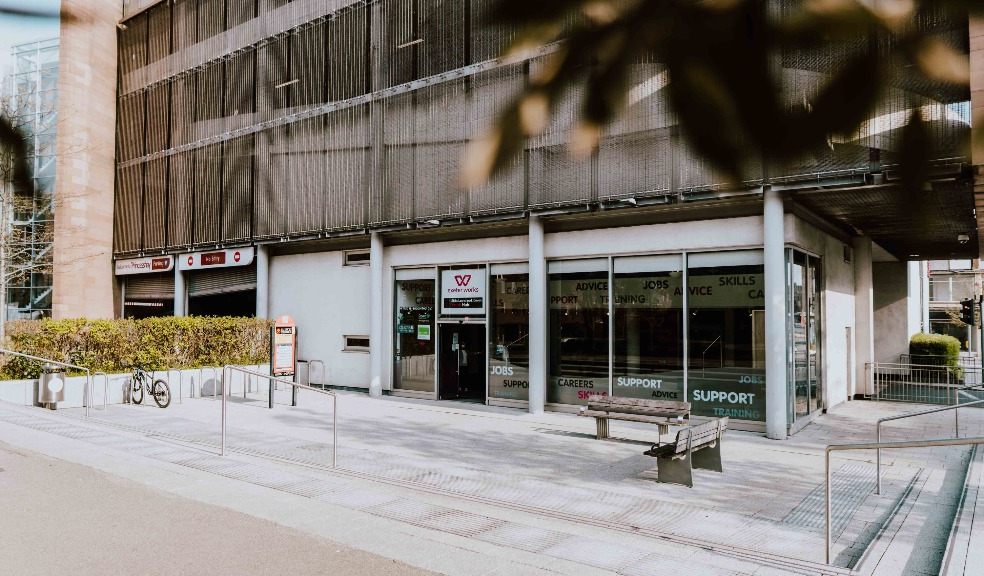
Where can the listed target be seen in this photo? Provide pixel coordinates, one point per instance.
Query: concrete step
(965, 553)
(913, 540)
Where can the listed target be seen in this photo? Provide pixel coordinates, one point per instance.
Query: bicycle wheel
(136, 392)
(161, 393)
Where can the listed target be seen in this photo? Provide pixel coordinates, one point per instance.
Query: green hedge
(153, 343)
(944, 347)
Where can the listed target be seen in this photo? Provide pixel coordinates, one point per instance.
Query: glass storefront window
(414, 342)
(727, 334)
(578, 341)
(509, 333)
(647, 327)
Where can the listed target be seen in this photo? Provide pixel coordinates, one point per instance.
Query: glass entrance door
(414, 343)
(804, 334)
(462, 361)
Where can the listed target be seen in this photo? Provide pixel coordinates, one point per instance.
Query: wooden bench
(663, 413)
(695, 447)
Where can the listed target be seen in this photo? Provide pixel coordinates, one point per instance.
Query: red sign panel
(213, 258)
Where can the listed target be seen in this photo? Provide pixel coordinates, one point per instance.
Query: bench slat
(627, 417)
(702, 434)
(614, 412)
(597, 399)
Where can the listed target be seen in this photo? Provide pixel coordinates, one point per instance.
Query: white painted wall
(700, 235)
(328, 301)
(897, 311)
(837, 307)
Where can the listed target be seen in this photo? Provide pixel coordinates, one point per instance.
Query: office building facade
(302, 158)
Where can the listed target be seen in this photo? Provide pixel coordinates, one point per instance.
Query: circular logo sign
(55, 385)
(236, 256)
(191, 260)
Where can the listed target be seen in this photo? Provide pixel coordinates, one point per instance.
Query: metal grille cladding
(256, 119)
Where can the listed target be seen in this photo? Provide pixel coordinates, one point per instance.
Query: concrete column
(82, 267)
(262, 281)
(864, 313)
(180, 292)
(538, 318)
(776, 394)
(377, 356)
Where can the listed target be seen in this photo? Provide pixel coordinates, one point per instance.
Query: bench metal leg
(675, 471)
(708, 458)
(602, 428)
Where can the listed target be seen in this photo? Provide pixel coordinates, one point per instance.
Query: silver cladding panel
(242, 120)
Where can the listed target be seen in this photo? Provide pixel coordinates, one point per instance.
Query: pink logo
(463, 280)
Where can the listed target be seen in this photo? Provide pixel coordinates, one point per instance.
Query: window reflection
(578, 344)
(727, 334)
(648, 328)
(415, 335)
(509, 364)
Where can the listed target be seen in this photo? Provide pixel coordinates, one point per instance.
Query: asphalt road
(103, 525)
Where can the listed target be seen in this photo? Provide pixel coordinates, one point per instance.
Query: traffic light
(967, 311)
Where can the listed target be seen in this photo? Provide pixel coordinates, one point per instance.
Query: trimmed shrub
(153, 343)
(946, 348)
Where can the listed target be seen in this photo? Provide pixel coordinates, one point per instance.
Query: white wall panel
(328, 301)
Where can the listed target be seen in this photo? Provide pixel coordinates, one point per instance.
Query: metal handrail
(105, 387)
(941, 442)
(956, 430)
(334, 404)
(87, 392)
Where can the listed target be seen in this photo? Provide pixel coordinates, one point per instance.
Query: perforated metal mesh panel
(254, 119)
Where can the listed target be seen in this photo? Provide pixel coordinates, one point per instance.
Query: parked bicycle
(159, 389)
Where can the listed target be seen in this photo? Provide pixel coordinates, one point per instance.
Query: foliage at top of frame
(152, 343)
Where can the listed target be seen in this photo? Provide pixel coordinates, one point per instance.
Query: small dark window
(358, 258)
(847, 254)
(356, 344)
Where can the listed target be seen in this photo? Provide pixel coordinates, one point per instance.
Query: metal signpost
(283, 354)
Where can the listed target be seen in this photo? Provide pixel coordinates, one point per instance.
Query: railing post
(273, 386)
(222, 449)
(869, 379)
(826, 466)
(88, 391)
(878, 459)
(956, 412)
(334, 430)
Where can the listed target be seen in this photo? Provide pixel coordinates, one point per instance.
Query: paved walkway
(543, 485)
(63, 518)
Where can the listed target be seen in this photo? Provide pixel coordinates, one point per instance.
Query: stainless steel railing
(956, 430)
(86, 394)
(105, 387)
(921, 383)
(878, 446)
(273, 379)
